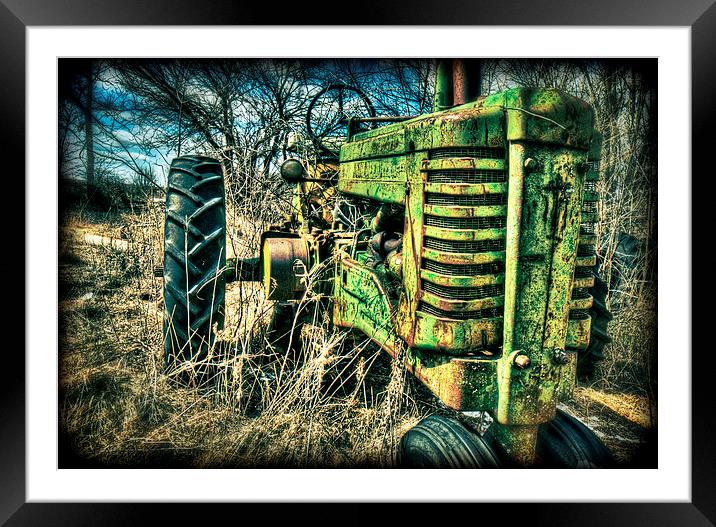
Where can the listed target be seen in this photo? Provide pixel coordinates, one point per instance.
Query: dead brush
(305, 405)
(627, 248)
(329, 400)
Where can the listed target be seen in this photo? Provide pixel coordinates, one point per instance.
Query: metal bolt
(522, 361)
(560, 356)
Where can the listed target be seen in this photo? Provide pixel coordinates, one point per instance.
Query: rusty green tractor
(460, 241)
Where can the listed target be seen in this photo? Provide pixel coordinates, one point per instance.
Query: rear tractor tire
(194, 260)
(565, 442)
(588, 359)
(442, 442)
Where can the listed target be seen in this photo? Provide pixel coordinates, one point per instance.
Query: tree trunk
(89, 129)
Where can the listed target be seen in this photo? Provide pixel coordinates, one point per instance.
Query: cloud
(124, 136)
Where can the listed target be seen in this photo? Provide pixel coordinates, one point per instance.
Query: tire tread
(194, 250)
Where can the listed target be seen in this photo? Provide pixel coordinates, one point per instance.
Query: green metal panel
(470, 204)
(542, 231)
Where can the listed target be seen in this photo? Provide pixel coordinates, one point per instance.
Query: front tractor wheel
(194, 261)
(442, 442)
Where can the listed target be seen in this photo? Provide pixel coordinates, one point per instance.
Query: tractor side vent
(586, 250)
(587, 228)
(580, 293)
(589, 207)
(578, 314)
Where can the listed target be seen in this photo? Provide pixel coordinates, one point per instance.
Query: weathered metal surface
(443, 85)
(459, 82)
(360, 302)
(284, 261)
(579, 326)
(518, 442)
(542, 232)
(462, 281)
(488, 308)
(312, 197)
(548, 116)
(578, 331)
(463, 163)
(383, 181)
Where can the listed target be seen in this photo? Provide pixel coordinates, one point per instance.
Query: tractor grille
(450, 251)
(463, 269)
(479, 152)
(479, 200)
(587, 228)
(464, 293)
(490, 312)
(452, 246)
(589, 207)
(490, 222)
(467, 176)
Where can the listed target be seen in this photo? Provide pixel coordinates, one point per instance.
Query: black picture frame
(699, 15)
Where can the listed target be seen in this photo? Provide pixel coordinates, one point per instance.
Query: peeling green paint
(493, 192)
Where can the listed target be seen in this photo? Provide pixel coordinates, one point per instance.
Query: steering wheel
(328, 111)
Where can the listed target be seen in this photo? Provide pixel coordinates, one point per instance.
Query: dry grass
(626, 381)
(632, 407)
(338, 402)
(335, 402)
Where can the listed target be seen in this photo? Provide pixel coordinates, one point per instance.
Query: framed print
(109, 383)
